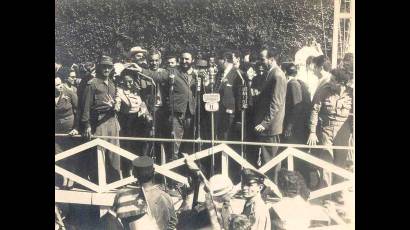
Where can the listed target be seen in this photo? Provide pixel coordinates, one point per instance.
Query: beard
(186, 66)
(154, 67)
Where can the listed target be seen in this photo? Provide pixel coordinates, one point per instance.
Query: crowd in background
(302, 101)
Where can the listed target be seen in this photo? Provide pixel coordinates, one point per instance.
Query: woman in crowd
(133, 116)
(295, 194)
(66, 122)
(71, 82)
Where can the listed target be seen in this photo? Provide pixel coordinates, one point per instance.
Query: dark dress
(66, 119)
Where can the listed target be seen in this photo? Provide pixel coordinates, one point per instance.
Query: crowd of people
(300, 102)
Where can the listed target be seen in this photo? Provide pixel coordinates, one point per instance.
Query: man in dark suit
(269, 105)
(181, 81)
(228, 86)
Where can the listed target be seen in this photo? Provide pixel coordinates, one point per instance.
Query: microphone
(172, 82)
(244, 92)
(200, 74)
(172, 79)
(212, 72)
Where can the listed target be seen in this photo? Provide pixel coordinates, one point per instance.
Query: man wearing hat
(160, 203)
(255, 208)
(98, 116)
(137, 55)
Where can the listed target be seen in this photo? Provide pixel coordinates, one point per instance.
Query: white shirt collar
(190, 70)
(226, 71)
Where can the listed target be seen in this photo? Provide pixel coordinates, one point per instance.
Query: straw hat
(220, 185)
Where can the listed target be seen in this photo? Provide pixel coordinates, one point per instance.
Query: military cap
(105, 60)
(252, 175)
(143, 162)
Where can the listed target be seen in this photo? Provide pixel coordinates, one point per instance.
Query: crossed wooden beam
(104, 191)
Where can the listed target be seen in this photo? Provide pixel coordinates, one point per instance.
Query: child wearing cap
(255, 208)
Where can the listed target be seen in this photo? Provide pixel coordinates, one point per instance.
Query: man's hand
(133, 66)
(73, 132)
(289, 131)
(87, 133)
(312, 140)
(259, 128)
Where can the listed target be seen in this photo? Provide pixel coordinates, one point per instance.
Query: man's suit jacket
(184, 90)
(229, 89)
(269, 105)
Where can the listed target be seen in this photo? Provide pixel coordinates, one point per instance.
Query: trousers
(268, 153)
(328, 135)
(182, 128)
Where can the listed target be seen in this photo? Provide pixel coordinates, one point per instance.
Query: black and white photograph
(204, 114)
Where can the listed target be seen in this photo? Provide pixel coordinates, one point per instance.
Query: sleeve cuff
(265, 124)
(86, 124)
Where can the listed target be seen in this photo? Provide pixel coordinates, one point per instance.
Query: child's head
(252, 183)
(239, 222)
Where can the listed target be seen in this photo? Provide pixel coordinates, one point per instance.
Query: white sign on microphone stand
(211, 106)
(211, 97)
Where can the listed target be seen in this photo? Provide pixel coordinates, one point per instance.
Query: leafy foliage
(87, 28)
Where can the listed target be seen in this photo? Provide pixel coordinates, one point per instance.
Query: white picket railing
(103, 194)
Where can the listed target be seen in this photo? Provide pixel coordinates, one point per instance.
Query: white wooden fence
(103, 194)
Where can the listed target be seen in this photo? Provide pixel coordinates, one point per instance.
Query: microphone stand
(154, 111)
(154, 107)
(171, 97)
(244, 106)
(198, 99)
(196, 110)
(212, 74)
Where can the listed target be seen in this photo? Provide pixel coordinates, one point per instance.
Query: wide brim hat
(137, 49)
(220, 185)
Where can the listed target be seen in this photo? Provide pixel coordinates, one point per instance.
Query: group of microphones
(206, 76)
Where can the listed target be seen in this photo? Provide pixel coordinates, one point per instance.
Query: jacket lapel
(182, 76)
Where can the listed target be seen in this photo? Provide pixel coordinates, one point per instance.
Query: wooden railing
(103, 194)
(226, 152)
